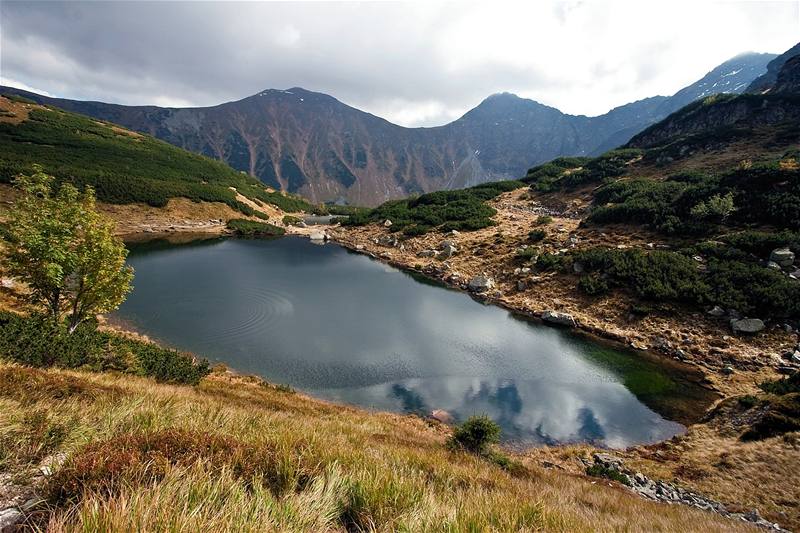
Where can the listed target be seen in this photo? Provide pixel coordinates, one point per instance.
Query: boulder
(747, 325)
(389, 241)
(387, 223)
(559, 318)
(442, 416)
(426, 253)
(446, 244)
(480, 284)
(318, 236)
(773, 265)
(782, 256)
(717, 311)
(447, 251)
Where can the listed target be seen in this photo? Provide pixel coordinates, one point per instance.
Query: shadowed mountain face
(312, 144)
(766, 81)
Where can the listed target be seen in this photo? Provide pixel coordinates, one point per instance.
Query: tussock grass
(234, 455)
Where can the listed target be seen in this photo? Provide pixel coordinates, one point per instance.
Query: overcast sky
(412, 63)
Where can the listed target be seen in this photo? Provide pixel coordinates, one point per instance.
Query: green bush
(593, 285)
(607, 473)
(672, 276)
(290, 220)
(548, 262)
(526, 254)
(36, 341)
(123, 168)
(536, 235)
(250, 228)
(570, 173)
(476, 434)
(693, 203)
(543, 220)
(462, 210)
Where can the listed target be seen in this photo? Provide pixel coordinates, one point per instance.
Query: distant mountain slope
(723, 117)
(122, 165)
(768, 79)
(310, 143)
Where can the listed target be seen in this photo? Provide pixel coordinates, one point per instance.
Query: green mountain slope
(123, 166)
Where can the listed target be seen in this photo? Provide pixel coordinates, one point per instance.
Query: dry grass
(234, 454)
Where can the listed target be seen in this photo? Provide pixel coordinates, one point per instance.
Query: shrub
(290, 220)
(526, 254)
(249, 228)
(37, 341)
(543, 220)
(476, 434)
(593, 285)
(548, 262)
(608, 473)
(536, 235)
(124, 167)
(462, 210)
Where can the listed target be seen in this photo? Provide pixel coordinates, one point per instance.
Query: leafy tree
(65, 251)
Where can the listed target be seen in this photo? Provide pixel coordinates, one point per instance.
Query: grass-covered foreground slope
(235, 454)
(123, 166)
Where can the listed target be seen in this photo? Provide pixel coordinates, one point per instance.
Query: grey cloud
(204, 53)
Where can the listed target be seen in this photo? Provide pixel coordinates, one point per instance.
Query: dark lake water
(341, 326)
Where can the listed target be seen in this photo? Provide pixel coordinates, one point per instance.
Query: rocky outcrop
(559, 319)
(670, 493)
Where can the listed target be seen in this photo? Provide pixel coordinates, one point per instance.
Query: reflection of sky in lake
(344, 327)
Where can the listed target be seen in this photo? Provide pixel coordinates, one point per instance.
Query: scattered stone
(558, 318)
(359, 246)
(522, 285)
(782, 256)
(747, 325)
(773, 265)
(301, 224)
(480, 284)
(386, 255)
(727, 370)
(387, 223)
(608, 461)
(426, 253)
(717, 311)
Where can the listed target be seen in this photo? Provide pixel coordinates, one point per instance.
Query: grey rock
(747, 325)
(447, 251)
(717, 311)
(522, 285)
(559, 318)
(608, 461)
(773, 265)
(782, 256)
(577, 267)
(426, 253)
(727, 370)
(387, 223)
(480, 284)
(390, 241)
(318, 236)
(9, 518)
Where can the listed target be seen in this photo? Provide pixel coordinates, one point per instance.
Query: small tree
(65, 251)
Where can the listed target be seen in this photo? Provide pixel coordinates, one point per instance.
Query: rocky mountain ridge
(312, 144)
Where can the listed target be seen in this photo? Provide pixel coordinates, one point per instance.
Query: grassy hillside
(236, 454)
(122, 166)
